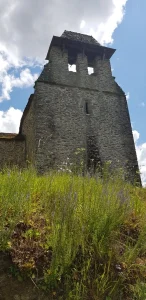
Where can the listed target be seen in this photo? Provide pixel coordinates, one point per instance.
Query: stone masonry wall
(62, 123)
(12, 153)
(56, 71)
(62, 129)
(66, 124)
(27, 129)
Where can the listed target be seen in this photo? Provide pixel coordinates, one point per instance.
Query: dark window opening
(86, 108)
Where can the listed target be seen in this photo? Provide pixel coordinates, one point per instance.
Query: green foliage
(76, 237)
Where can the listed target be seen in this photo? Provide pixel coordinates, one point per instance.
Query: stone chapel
(74, 110)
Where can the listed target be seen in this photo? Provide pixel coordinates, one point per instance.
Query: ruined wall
(61, 97)
(27, 130)
(12, 152)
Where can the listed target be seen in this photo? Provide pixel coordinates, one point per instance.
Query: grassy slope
(76, 237)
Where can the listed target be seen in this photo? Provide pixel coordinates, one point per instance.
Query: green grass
(75, 237)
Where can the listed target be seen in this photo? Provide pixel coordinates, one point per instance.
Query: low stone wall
(12, 151)
(27, 130)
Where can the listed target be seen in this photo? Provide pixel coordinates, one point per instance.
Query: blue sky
(129, 62)
(25, 34)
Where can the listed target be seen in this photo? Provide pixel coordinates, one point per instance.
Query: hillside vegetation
(75, 237)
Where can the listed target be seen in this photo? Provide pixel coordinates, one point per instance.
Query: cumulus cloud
(26, 29)
(141, 155)
(9, 65)
(26, 79)
(10, 120)
(27, 26)
(105, 29)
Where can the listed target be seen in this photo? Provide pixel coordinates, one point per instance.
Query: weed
(77, 237)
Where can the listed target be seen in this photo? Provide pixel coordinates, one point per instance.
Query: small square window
(72, 68)
(90, 70)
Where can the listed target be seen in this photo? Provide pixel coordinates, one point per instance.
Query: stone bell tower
(77, 110)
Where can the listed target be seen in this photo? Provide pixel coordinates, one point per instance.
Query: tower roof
(84, 38)
(76, 43)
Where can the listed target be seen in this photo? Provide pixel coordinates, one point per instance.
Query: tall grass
(76, 237)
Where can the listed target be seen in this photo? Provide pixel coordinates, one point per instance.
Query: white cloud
(82, 25)
(8, 66)
(141, 156)
(128, 96)
(10, 120)
(136, 135)
(28, 26)
(105, 29)
(26, 31)
(26, 79)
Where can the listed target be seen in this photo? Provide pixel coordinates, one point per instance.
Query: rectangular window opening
(90, 70)
(86, 108)
(72, 68)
